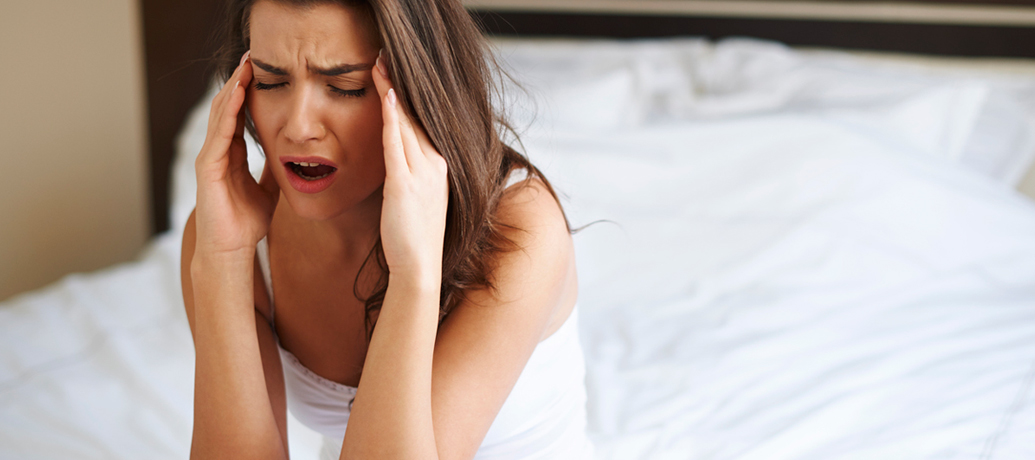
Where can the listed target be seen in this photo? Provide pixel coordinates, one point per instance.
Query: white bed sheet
(773, 283)
(802, 294)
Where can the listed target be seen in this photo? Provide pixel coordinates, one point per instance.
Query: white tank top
(543, 417)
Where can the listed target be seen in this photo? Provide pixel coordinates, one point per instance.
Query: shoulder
(536, 264)
(484, 343)
(532, 218)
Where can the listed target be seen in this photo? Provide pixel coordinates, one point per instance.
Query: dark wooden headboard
(178, 39)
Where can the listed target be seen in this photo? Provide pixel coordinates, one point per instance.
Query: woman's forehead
(323, 35)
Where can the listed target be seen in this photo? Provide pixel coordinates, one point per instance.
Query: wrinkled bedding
(787, 256)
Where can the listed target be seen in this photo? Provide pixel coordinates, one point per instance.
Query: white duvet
(799, 257)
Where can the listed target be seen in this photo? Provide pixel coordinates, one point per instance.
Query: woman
(381, 278)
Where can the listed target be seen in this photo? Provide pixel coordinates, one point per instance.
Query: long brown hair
(445, 75)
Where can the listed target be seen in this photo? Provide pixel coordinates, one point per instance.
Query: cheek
(262, 113)
(357, 126)
(360, 132)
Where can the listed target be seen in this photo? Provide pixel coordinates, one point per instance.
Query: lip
(308, 186)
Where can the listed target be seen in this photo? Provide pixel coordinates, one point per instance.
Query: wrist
(417, 281)
(217, 264)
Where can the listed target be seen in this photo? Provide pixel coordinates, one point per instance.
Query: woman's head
(436, 59)
(312, 100)
(439, 64)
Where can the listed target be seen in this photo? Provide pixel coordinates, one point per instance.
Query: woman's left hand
(416, 192)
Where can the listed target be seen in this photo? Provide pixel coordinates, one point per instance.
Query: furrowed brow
(269, 68)
(340, 69)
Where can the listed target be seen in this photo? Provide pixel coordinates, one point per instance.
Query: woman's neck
(348, 236)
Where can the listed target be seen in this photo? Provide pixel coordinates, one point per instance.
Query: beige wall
(72, 139)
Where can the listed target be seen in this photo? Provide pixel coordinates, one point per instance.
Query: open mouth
(309, 174)
(311, 171)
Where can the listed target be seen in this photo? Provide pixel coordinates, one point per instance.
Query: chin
(316, 208)
(329, 204)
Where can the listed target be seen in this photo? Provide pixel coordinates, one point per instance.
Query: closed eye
(265, 86)
(341, 92)
(348, 92)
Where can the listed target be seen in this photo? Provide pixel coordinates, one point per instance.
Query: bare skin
(423, 391)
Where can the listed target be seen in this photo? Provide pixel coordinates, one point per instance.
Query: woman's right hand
(233, 211)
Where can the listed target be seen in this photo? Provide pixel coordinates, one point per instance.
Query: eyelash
(348, 92)
(341, 92)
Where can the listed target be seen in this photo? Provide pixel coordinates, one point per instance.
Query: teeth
(307, 164)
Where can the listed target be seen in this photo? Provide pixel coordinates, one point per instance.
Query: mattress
(781, 255)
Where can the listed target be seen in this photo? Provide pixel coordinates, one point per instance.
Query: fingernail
(244, 57)
(381, 63)
(391, 97)
(236, 85)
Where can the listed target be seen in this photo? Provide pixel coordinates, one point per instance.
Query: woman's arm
(239, 404)
(479, 352)
(234, 416)
(430, 394)
(391, 415)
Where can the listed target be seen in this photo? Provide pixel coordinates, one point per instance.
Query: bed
(790, 254)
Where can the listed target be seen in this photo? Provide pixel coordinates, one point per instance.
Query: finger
(241, 77)
(394, 148)
(217, 142)
(231, 123)
(223, 146)
(219, 102)
(245, 77)
(380, 75)
(225, 123)
(411, 145)
(216, 136)
(425, 142)
(395, 158)
(419, 136)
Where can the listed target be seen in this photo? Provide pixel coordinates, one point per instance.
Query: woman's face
(313, 102)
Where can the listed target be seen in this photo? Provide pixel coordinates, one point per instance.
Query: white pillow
(985, 122)
(546, 86)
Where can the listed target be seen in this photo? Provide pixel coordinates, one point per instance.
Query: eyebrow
(329, 72)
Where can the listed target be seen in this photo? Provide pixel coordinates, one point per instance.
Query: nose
(303, 123)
